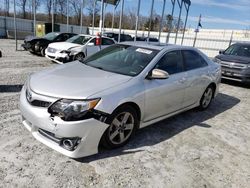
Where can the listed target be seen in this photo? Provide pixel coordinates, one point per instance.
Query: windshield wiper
(98, 67)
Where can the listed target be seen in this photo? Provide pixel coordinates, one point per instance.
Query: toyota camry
(73, 108)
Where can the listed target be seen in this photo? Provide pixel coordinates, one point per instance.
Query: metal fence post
(162, 15)
(187, 9)
(34, 14)
(67, 15)
(52, 16)
(93, 18)
(150, 20)
(179, 18)
(172, 13)
(120, 22)
(15, 23)
(81, 16)
(137, 18)
(113, 18)
(231, 38)
(101, 17)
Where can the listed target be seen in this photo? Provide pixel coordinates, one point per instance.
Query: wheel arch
(134, 106)
(213, 85)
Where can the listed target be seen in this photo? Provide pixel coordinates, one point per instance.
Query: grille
(40, 103)
(35, 102)
(233, 65)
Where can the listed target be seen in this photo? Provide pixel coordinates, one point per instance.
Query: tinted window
(106, 41)
(193, 60)
(93, 41)
(171, 62)
(51, 36)
(122, 59)
(78, 39)
(60, 38)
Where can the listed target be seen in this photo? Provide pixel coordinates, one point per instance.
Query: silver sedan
(74, 107)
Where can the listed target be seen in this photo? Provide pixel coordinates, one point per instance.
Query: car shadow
(235, 83)
(10, 88)
(168, 128)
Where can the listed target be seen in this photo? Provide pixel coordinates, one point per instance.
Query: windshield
(238, 50)
(78, 39)
(51, 36)
(122, 59)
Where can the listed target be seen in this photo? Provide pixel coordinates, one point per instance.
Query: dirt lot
(194, 149)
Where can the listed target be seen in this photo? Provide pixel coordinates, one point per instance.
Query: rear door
(197, 76)
(165, 96)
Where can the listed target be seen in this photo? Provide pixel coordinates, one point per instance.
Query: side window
(193, 60)
(59, 38)
(171, 62)
(106, 41)
(93, 41)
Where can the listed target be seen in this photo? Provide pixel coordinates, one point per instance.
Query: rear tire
(206, 98)
(123, 124)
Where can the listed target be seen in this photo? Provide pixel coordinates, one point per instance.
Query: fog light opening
(70, 143)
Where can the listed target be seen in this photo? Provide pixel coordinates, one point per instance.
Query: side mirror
(221, 52)
(91, 44)
(158, 74)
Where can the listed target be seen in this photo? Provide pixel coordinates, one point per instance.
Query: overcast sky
(217, 14)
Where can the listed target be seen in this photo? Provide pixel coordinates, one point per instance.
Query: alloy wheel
(207, 97)
(121, 128)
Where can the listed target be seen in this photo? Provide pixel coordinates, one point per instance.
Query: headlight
(216, 60)
(70, 110)
(66, 51)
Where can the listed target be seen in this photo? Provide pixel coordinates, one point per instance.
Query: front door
(165, 96)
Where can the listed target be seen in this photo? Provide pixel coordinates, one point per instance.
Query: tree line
(44, 13)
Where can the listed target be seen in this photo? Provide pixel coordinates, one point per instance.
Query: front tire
(43, 52)
(123, 123)
(206, 98)
(79, 57)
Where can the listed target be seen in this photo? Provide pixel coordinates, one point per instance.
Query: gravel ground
(194, 149)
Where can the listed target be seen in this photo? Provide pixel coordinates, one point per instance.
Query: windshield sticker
(145, 51)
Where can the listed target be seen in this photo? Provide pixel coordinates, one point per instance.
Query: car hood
(30, 38)
(74, 81)
(233, 58)
(63, 45)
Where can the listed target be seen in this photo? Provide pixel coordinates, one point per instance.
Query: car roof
(155, 45)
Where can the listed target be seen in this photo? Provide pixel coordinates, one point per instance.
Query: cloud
(211, 19)
(243, 5)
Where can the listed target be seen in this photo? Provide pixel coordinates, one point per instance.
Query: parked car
(124, 37)
(76, 48)
(235, 62)
(38, 45)
(104, 99)
(149, 39)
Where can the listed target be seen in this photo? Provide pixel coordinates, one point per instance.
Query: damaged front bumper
(57, 134)
(59, 57)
